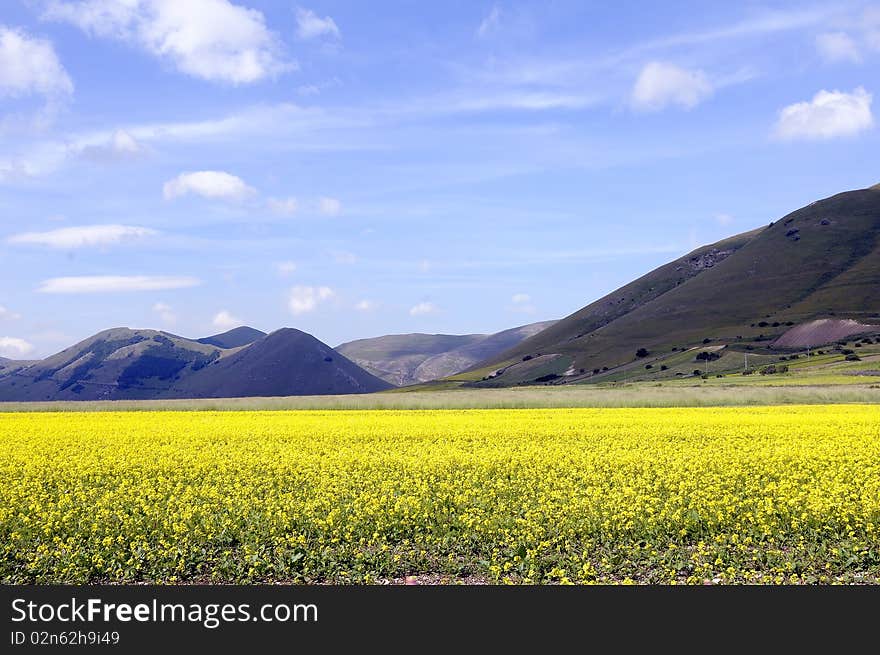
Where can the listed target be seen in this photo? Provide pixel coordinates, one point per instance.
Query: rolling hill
(126, 364)
(404, 359)
(743, 293)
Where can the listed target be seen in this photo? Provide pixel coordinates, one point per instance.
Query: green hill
(819, 262)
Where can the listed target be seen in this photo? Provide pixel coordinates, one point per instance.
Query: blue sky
(355, 169)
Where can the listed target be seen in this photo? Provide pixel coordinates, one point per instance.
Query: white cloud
(365, 305)
(838, 46)
(329, 206)
(214, 40)
(115, 283)
(723, 219)
(343, 257)
(165, 312)
(423, 308)
(309, 25)
(224, 320)
(516, 101)
(522, 304)
(7, 315)
(660, 85)
(29, 65)
(306, 299)
(285, 268)
(283, 206)
(490, 23)
(216, 185)
(119, 145)
(828, 115)
(14, 348)
(83, 236)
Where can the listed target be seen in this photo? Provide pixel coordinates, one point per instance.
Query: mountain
(819, 262)
(284, 363)
(403, 359)
(234, 338)
(119, 363)
(122, 363)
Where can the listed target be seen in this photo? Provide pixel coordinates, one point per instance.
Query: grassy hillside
(116, 363)
(818, 262)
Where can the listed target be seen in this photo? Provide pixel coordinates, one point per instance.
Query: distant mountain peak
(404, 359)
(234, 338)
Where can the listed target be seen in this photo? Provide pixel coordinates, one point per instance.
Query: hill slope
(126, 364)
(403, 359)
(820, 261)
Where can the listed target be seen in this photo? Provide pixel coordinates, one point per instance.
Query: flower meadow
(662, 495)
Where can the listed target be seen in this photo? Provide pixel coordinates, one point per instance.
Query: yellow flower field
(766, 495)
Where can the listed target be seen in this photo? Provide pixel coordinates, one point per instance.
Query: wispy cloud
(310, 128)
(119, 146)
(69, 238)
(283, 206)
(761, 24)
(8, 315)
(365, 305)
(343, 257)
(286, 268)
(165, 313)
(601, 74)
(423, 308)
(490, 23)
(310, 26)
(522, 303)
(115, 283)
(838, 46)
(329, 206)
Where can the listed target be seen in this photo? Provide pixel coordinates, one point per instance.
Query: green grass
(731, 391)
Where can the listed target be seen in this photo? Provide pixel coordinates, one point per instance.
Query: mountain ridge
(405, 359)
(133, 364)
